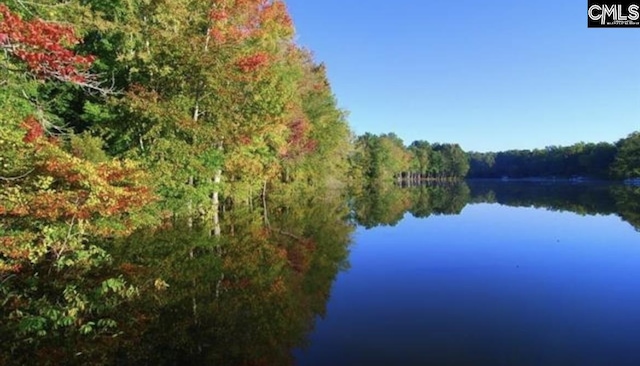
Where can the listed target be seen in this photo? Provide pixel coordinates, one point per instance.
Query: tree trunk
(190, 206)
(264, 203)
(215, 202)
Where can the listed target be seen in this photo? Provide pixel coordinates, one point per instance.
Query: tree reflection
(246, 291)
(628, 204)
(246, 297)
(387, 205)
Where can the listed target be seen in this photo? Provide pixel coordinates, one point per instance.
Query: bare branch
(9, 179)
(86, 80)
(22, 2)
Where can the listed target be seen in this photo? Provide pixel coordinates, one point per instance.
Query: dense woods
(602, 160)
(123, 119)
(579, 160)
(385, 157)
(116, 116)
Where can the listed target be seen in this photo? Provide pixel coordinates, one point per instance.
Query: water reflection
(246, 297)
(387, 205)
(498, 274)
(251, 295)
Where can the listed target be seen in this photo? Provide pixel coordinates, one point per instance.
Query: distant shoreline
(580, 180)
(548, 179)
(527, 179)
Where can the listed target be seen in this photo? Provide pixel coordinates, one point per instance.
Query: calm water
(497, 284)
(462, 274)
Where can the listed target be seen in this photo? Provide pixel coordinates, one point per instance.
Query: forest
(385, 157)
(120, 119)
(603, 160)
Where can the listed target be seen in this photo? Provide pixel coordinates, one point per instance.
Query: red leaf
(34, 129)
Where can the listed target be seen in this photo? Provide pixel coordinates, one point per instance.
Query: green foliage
(578, 160)
(627, 161)
(55, 282)
(88, 147)
(318, 145)
(209, 107)
(218, 105)
(382, 158)
(421, 156)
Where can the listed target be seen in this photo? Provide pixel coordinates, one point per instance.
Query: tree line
(602, 160)
(385, 157)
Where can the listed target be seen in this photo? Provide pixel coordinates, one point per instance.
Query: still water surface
(478, 273)
(493, 285)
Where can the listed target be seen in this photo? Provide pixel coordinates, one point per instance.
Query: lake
(476, 273)
(524, 274)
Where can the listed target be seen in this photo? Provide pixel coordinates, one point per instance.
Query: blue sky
(490, 75)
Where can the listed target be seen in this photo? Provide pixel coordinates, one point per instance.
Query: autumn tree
(209, 95)
(54, 205)
(319, 138)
